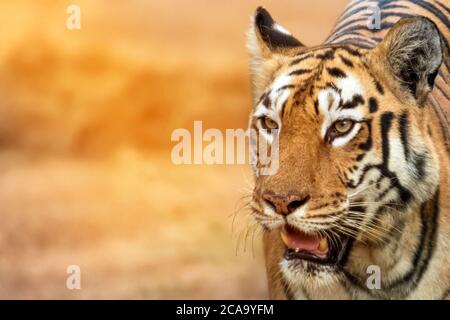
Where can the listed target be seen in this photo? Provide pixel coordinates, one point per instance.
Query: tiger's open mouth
(313, 247)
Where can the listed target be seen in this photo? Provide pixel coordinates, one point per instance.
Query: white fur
(281, 29)
(280, 82)
(298, 213)
(349, 87)
(341, 141)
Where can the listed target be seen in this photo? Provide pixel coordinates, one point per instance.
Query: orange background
(85, 122)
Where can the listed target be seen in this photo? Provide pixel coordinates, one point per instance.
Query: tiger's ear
(412, 52)
(268, 42)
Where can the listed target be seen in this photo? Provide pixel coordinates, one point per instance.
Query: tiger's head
(354, 143)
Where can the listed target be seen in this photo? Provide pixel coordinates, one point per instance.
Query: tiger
(358, 207)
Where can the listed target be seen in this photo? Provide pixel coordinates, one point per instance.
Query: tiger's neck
(402, 261)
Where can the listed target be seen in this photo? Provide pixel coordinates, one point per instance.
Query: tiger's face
(354, 147)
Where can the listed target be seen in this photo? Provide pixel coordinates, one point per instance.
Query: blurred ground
(85, 124)
(137, 226)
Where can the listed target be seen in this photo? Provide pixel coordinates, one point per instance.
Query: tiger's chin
(301, 274)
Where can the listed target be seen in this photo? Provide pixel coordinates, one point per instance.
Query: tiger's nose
(285, 204)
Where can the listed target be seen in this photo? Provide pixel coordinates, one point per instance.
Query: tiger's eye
(269, 124)
(343, 126)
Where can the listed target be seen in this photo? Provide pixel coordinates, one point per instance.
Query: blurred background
(85, 123)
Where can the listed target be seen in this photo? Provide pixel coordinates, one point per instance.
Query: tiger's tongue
(295, 239)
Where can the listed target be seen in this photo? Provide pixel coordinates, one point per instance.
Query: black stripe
(378, 85)
(263, 96)
(359, 157)
(356, 101)
(373, 105)
(327, 55)
(287, 86)
(266, 102)
(418, 161)
(300, 59)
(368, 144)
(344, 259)
(299, 72)
(432, 239)
(444, 93)
(336, 72)
(383, 194)
(403, 126)
(447, 47)
(351, 51)
(443, 6)
(386, 122)
(347, 62)
(283, 108)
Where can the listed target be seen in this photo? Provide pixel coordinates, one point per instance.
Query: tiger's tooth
(323, 245)
(284, 237)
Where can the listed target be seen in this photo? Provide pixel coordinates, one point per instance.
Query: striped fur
(384, 184)
(351, 28)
